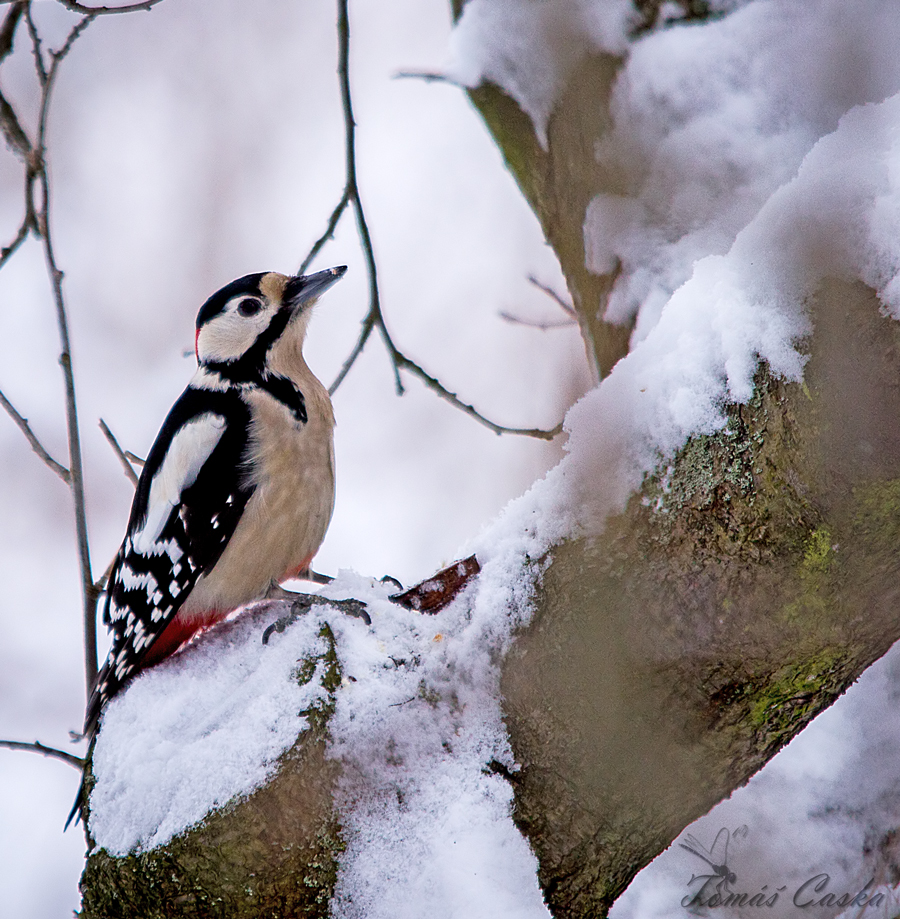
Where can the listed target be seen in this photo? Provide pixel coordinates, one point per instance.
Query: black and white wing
(190, 497)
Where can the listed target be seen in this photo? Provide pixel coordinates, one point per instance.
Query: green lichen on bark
(274, 853)
(739, 594)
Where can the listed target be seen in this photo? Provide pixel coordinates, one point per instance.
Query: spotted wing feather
(190, 497)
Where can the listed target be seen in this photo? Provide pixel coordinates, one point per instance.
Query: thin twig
(9, 251)
(333, 220)
(47, 78)
(426, 76)
(550, 292)
(44, 750)
(8, 29)
(535, 324)
(36, 47)
(107, 10)
(36, 445)
(436, 386)
(120, 453)
(100, 584)
(374, 318)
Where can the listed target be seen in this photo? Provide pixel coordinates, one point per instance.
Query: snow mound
(417, 725)
(200, 729)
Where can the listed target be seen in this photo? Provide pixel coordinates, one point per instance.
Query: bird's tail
(91, 719)
(78, 807)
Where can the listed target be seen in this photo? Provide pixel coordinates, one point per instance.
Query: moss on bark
(739, 594)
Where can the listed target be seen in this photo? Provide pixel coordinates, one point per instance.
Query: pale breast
(285, 521)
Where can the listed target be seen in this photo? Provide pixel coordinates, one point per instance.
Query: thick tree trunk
(741, 591)
(672, 656)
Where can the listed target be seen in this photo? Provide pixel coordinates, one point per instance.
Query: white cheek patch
(190, 449)
(227, 336)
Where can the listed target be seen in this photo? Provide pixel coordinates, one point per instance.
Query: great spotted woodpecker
(238, 489)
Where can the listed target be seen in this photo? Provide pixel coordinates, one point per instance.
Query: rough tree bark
(673, 653)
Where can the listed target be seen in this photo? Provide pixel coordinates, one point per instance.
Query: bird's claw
(303, 603)
(355, 608)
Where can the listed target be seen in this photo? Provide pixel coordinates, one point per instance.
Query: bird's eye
(249, 307)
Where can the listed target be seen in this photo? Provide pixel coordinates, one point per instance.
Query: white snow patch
(204, 727)
(427, 824)
(708, 123)
(530, 47)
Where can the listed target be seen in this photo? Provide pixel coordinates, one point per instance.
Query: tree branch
(374, 318)
(120, 453)
(553, 295)
(36, 445)
(37, 167)
(38, 747)
(107, 10)
(333, 221)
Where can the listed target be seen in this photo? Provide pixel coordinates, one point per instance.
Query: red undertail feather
(178, 631)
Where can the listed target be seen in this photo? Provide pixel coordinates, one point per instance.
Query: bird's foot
(302, 603)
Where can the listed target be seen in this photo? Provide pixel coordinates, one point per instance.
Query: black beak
(307, 287)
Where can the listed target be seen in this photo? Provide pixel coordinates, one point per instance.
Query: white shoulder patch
(190, 449)
(207, 379)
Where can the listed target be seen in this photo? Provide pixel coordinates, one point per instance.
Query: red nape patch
(177, 632)
(197, 345)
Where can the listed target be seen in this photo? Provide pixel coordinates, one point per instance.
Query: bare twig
(27, 224)
(44, 750)
(9, 122)
(333, 221)
(550, 292)
(36, 445)
(100, 584)
(107, 10)
(436, 386)
(374, 318)
(36, 46)
(120, 453)
(8, 29)
(426, 76)
(38, 175)
(535, 324)
(75, 465)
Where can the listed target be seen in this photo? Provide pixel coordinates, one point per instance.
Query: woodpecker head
(238, 324)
